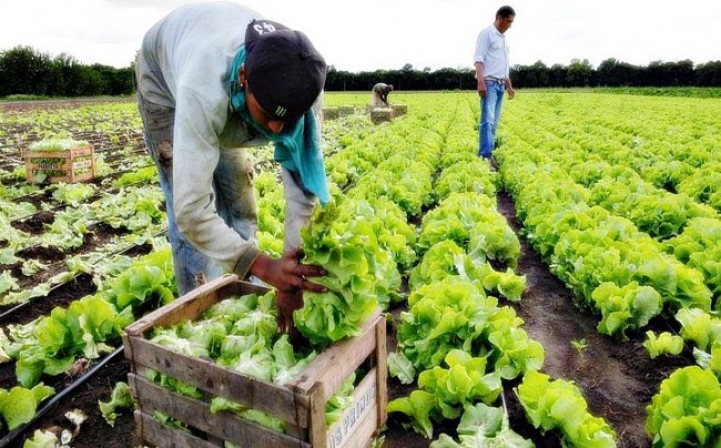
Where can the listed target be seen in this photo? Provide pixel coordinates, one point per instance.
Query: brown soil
(617, 378)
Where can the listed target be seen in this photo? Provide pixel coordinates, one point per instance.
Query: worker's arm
(509, 89)
(480, 77)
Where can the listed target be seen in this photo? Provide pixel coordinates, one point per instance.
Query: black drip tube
(5, 441)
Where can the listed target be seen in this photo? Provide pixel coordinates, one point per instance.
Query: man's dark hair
(505, 12)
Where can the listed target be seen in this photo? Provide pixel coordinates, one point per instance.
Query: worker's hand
(287, 274)
(290, 278)
(511, 93)
(482, 88)
(286, 303)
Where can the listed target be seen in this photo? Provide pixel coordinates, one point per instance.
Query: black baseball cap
(284, 70)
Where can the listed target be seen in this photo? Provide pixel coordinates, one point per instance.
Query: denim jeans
(232, 186)
(490, 116)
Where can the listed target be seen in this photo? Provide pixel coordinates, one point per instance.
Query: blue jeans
(232, 185)
(490, 116)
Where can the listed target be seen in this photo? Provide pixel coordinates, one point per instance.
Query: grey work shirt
(184, 64)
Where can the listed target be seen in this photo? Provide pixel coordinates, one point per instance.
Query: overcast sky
(366, 35)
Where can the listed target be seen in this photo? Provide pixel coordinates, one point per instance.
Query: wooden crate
(346, 110)
(300, 404)
(399, 109)
(381, 115)
(70, 162)
(330, 113)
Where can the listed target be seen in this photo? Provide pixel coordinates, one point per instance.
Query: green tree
(579, 73)
(24, 71)
(708, 74)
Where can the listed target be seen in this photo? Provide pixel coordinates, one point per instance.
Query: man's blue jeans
(490, 116)
(234, 196)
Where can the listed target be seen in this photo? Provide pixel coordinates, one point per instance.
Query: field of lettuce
(572, 298)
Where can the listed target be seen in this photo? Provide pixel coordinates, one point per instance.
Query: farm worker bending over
(214, 78)
(379, 97)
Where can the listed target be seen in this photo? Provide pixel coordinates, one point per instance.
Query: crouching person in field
(379, 95)
(214, 78)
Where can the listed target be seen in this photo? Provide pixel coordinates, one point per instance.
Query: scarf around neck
(297, 147)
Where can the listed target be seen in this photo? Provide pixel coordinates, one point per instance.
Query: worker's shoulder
(221, 17)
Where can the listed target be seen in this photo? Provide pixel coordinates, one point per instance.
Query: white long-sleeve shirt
(184, 64)
(492, 52)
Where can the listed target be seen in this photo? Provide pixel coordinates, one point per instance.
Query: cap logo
(280, 111)
(263, 27)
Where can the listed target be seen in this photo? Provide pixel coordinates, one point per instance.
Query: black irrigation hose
(57, 398)
(22, 305)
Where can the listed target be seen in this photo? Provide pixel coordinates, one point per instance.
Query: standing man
(214, 78)
(493, 75)
(379, 97)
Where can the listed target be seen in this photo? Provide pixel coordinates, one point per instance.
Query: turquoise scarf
(297, 147)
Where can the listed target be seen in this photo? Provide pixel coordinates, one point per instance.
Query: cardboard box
(72, 165)
(301, 404)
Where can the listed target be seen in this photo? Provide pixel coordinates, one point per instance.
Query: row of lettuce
(124, 198)
(455, 341)
(618, 217)
(367, 246)
(132, 211)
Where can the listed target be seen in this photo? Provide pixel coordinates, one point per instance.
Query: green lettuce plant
(687, 410)
(483, 426)
(19, 404)
(558, 405)
(664, 343)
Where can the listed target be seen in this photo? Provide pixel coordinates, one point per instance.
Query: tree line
(26, 71)
(579, 73)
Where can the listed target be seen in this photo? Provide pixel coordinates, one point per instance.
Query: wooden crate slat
(197, 414)
(358, 423)
(155, 433)
(316, 433)
(188, 306)
(219, 381)
(381, 372)
(333, 365)
(363, 432)
(69, 154)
